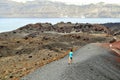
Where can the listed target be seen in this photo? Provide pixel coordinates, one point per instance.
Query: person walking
(70, 56)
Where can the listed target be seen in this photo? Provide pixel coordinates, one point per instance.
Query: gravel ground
(90, 62)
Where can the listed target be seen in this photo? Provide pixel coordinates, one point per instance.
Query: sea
(9, 24)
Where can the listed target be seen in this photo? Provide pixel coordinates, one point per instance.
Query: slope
(90, 62)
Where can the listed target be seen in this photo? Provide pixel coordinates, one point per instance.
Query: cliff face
(40, 8)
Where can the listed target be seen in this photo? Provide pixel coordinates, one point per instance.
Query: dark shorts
(71, 58)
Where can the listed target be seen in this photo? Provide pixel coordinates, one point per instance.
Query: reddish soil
(115, 48)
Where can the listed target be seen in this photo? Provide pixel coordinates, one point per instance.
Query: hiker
(70, 56)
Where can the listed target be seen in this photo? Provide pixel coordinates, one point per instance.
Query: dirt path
(90, 62)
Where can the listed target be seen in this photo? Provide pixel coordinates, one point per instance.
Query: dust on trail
(90, 62)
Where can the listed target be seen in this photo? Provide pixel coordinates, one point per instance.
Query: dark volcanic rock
(20, 40)
(5, 51)
(32, 30)
(90, 28)
(114, 27)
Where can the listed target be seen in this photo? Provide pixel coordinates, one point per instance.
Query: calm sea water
(8, 24)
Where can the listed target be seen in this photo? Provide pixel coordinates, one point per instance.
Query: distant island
(48, 9)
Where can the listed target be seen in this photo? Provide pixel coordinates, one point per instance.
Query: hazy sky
(78, 2)
(22, 0)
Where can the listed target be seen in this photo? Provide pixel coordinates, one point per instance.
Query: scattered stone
(25, 38)
(18, 41)
(44, 59)
(14, 32)
(1, 55)
(45, 38)
(2, 47)
(62, 49)
(17, 52)
(11, 76)
(30, 57)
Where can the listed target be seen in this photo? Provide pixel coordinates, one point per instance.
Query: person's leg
(69, 60)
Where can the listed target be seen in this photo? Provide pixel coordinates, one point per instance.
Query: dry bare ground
(91, 62)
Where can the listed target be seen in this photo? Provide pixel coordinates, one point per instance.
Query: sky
(78, 2)
(22, 0)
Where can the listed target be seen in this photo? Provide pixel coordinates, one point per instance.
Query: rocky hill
(33, 30)
(45, 8)
(114, 27)
(34, 45)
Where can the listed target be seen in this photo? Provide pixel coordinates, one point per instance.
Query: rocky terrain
(114, 27)
(49, 9)
(34, 45)
(91, 62)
